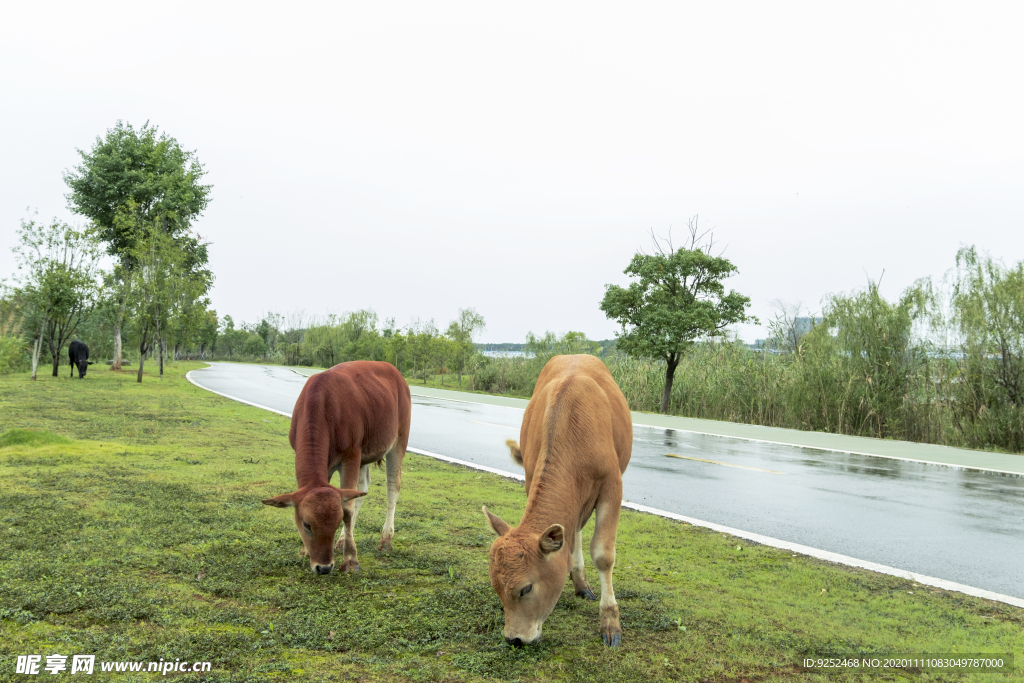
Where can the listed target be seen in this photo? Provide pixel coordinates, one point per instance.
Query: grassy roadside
(137, 533)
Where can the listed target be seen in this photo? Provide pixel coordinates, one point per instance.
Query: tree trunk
(670, 375)
(36, 348)
(143, 347)
(142, 359)
(161, 347)
(118, 320)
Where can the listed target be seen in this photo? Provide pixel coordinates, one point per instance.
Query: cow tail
(513, 449)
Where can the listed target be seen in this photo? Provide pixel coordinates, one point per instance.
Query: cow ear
(552, 539)
(285, 500)
(497, 523)
(349, 494)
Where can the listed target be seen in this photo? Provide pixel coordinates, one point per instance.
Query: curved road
(959, 525)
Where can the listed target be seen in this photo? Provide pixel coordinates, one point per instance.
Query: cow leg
(394, 465)
(364, 485)
(578, 574)
(349, 509)
(602, 551)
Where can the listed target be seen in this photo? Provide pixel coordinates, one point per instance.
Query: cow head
(527, 572)
(318, 514)
(83, 365)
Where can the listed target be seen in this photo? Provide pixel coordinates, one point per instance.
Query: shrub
(14, 355)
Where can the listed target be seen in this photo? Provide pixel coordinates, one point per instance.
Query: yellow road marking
(723, 464)
(491, 424)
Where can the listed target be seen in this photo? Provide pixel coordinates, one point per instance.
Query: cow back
(360, 406)
(577, 420)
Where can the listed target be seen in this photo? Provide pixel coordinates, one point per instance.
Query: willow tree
(676, 300)
(988, 312)
(150, 174)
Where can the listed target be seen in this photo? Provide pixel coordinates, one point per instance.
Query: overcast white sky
(418, 158)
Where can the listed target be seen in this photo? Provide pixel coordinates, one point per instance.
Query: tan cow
(576, 440)
(346, 419)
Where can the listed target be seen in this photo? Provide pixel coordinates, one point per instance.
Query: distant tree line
(420, 350)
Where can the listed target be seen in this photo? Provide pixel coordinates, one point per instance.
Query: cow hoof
(385, 546)
(586, 594)
(614, 640)
(351, 567)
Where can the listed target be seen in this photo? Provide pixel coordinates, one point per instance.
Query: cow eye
(526, 590)
(307, 527)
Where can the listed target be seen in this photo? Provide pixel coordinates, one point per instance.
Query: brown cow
(576, 439)
(346, 419)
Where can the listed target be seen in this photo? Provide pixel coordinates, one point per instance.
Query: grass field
(132, 529)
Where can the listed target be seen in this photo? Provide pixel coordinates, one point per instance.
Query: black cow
(78, 352)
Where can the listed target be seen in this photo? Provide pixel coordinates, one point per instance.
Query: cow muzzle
(519, 642)
(520, 638)
(323, 568)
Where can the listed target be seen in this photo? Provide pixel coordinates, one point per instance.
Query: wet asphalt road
(959, 525)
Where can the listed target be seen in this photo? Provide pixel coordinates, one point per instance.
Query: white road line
(834, 557)
(491, 424)
(188, 376)
(748, 535)
(459, 400)
(723, 464)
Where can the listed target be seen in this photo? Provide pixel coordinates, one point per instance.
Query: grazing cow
(575, 443)
(346, 419)
(78, 352)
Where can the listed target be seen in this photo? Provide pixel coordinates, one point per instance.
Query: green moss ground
(132, 529)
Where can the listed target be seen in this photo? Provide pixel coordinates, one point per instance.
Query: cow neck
(312, 460)
(554, 498)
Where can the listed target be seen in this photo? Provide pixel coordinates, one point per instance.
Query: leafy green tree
(13, 349)
(677, 299)
(395, 349)
(59, 267)
(206, 335)
(165, 285)
(542, 348)
(444, 349)
(421, 345)
(461, 332)
(149, 175)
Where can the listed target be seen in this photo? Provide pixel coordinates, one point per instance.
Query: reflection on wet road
(960, 525)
